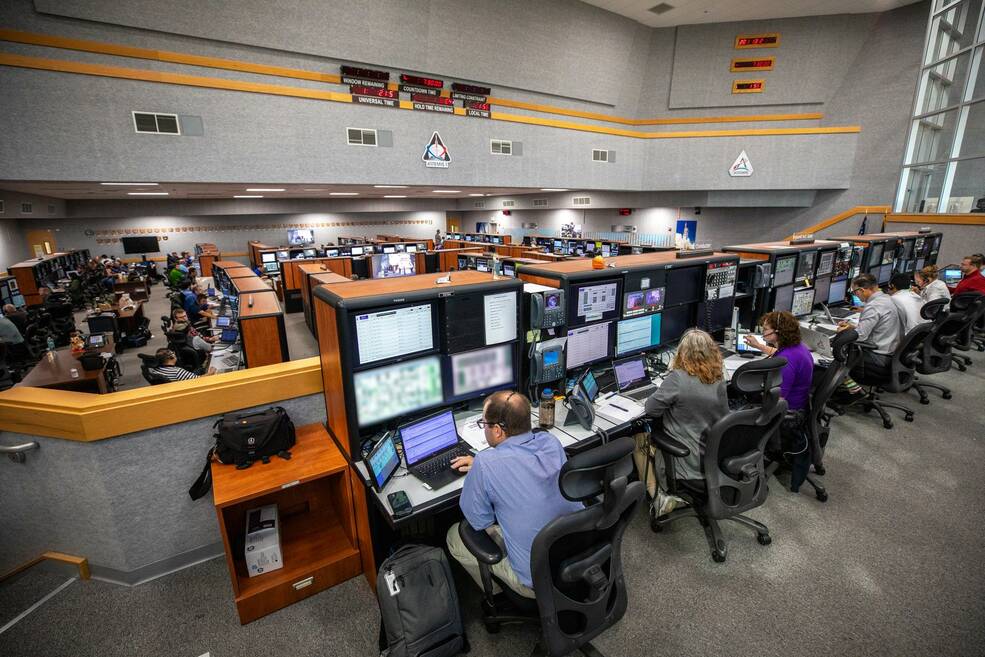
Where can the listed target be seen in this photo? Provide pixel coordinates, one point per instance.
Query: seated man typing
(511, 489)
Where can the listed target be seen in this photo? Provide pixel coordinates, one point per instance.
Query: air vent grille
(509, 204)
(662, 8)
(600, 155)
(540, 202)
(156, 123)
(500, 147)
(360, 136)
(27, 208)
(581, 200)
(479, 204)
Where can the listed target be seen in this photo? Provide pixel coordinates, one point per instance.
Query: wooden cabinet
(319, 535)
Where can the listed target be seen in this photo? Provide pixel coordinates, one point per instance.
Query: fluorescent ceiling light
(248, 196)
(265, 189)
(390, 186)
(552, 189)
(343, 193)
(393, 196)
(446, 191)
(147, 193)
(130, 184)
(315, 189)
(476, 194)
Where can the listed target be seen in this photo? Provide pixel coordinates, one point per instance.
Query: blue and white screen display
(384, 461)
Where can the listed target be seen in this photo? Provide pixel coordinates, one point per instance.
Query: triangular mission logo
(436, 155)
(742, 167)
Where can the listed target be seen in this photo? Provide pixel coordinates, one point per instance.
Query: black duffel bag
(242, 438)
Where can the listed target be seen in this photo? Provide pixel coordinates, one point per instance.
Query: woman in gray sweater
(691, 398)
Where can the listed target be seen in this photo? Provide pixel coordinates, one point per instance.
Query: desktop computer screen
(389, 249)
(283, 255)
(907, 250)
(299, 236)
(637, 334)
(310, 253)
(826, 264)
(591, 302)
(875, 255)
(885, 273)
(643, 302)
(394, 332)
(889, 253)
(394, 390)
(483, 370)
(951, 275)
(805, 265)
(783, 299)
(509, 269)
(393, 265)
(784, 271)
(589, 344)
(684, 285)
(837, 292)
(357, 250)
(411, 248)
(673, 323)
(331, 253)
(271, 267)
(803, 302)
(268, 257)
(481, 264)
(821, 288)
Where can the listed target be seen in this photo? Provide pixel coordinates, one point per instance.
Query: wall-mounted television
(147, 244)
(299, 236)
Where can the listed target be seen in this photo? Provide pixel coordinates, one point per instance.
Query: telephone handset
(547, 309)
(763, 275)
(547, 361)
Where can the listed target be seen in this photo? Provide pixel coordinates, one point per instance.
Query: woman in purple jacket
(781, 331)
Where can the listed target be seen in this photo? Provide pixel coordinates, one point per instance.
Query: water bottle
(51, 349)
(497, 268)
(546, 415)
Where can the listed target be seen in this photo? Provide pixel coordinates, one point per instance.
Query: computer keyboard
(440, 463)
(639, 394)
(726, 352)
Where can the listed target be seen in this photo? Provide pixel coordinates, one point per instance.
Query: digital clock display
(478, 106)
(365, 73)
(768, 40)
(434, 100)
(747, 86)
(423, 82)
(470, 89)
(755, 64)
(375, 92)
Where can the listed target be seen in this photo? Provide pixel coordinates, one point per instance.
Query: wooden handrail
(847, 214)
(974, 219)
(79, 562)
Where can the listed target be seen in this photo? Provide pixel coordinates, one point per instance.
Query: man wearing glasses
(511, 489)
(880, 323)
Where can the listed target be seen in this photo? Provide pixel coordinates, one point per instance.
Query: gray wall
(122, 502)
(13, 244)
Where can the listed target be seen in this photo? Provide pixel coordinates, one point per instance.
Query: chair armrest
(669, 445)
(865, 345)
(479, 544)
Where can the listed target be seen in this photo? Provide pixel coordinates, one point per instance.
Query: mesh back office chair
(188, 357)
(732, 461)
(900, 377)
(6, 373)
(935, 355)
(576, 559)
(147, 363)
(970, 306)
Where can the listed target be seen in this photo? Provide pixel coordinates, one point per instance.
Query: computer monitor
(229, 335)
(637, 334)
(299, 236)
(784, 273)
(821, 288)
(590, 302)
(17, 300)
(783, 299)
(389, 249)
(605, 251)
(428, 435)
(394, 390)
(268, 257)
(684, 285)
(920, 264)
(331, 253)
(357, 250)
(875, 255)
(223, 321)
(393, 265)
(589, 344)
(803, 302)
(837, 292)
(889, 254)
(310, 253)
(480, 371)
(825, 265)
(509, 269)
(411, 248)
(951, 275)
(629, 371)
(394, 332)
(673, 323)
(96, 340)
(643, 302)
(805, 265)
(907, 251)
(283, 255)
(481, 264)
(885, 273)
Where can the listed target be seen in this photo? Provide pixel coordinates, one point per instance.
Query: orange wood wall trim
(85, 45)
(842, 216)
(946, 219)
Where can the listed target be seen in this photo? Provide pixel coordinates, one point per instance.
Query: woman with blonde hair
(929, 286)
(691, 398)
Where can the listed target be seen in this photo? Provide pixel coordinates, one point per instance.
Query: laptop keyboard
(438, 464)
(639, 394)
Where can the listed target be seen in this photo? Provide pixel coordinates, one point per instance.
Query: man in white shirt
(907, 301)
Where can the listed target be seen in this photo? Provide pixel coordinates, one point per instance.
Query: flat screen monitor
(637, 334)
(268, 257)
(889, 253)
(509, 269)
(271, 267)
(17, 300)
(147, 244)
(784, 271)
(714, 315)
(783, 300)
(821, 288)
(481, 264)
(389, 249)
(684, 285)
(331, 253)
(951, 275)
(300, 236)
(394, 390)
(394, 265)
(826, 264)
(885, 273)
(589, 247)
(805, 265)
(920, 263)
(310, 253)
(357, 250)
(590, 302)
(605, 251)
(673, 323)
(875, 256)
(394, 332)
(803, 302)
(283, 255)
(589, 344)
(643, 302)
(480, 371)
(837, 291)
(411, 248)
(907, 251)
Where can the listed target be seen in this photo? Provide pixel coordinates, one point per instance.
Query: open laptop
(229, 335)
(631, 378)
(223, 321)
(430, 445)
(817, 341)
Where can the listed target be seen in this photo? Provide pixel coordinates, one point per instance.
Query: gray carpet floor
(893, 564)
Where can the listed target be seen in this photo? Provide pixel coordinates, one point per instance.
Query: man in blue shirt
(511, 489)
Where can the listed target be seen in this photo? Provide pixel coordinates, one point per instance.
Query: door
(41, 242)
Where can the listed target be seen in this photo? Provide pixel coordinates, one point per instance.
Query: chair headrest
(759, 375)
(966, 300)
(931, 309)
(586, 475)
(148, 359)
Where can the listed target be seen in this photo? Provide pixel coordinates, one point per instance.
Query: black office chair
(733, 461)
(935, 354)
(971, 307)
(576, 559)
(899, 378)
(7, 374)
(147, 364)
(166, 323)
(188, 357)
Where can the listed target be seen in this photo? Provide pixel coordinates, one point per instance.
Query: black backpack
(243, 438)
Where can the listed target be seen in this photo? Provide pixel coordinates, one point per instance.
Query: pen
(620, 408)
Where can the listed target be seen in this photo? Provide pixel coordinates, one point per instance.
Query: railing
(18, 453)
(877, 210)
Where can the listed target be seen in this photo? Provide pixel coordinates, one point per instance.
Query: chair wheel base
(924, 400)
(820, 470)
(764, 539)
(888, 424)
(822, 496)
(908, 417)
(718, 556)
(946, 395)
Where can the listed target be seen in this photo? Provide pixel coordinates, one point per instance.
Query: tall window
(944, 164)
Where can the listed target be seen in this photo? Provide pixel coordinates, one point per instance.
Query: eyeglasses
(482, 423)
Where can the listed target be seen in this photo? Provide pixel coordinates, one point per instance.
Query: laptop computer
(229, 335)
(631, 378)
(430, 445)
(223, 321)
(817, 341)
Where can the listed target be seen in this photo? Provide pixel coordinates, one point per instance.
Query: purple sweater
(797, 376)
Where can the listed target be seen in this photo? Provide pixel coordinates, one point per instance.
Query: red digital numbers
(373, 91)
(423, 82)
(433, 100)
(478, 106)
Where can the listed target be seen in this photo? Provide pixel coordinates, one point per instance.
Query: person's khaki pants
(502, 570)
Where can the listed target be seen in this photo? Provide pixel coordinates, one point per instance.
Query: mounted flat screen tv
(140, 244)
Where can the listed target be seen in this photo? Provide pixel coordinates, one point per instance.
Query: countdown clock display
(768, 40)
(366, 95)
(748, 86)
(752, 64)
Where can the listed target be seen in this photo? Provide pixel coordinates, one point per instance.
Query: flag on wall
(861, 229)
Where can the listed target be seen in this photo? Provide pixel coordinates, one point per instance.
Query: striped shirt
(174, 373)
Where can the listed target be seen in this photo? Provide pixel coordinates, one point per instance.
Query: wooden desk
(129, 320)
(134, 289)
(58, 375)
(320, 537)
(239, 272)
(311, 277)
(291, 277)
(250, 284)
(262, 329)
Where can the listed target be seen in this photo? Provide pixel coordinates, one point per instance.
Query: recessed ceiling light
(265, 189)
(315, 189)
(248, 196)
(552, 189)
(476, 194)
(446, 191)
(393, 196)
(390, 186)
(343, 193)
(131, 184)
(147, 193)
